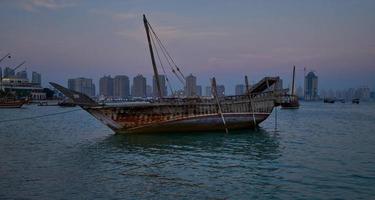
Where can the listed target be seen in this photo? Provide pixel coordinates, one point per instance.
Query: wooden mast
(156, 74)
(247, 85)
(216, 96)
(251, 101)
(294, 73)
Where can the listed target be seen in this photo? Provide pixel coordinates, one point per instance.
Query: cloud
(167, 25)
(36, 5)
(169, 33)
(115, 15)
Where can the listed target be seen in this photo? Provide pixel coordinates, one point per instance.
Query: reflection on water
(258, 143)
(319, 151)
(184, 162)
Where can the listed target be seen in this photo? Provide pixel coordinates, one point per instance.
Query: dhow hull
(198, 123)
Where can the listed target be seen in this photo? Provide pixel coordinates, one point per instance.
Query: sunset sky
(226, 39)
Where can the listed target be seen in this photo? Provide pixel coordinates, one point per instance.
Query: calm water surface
(321, 151)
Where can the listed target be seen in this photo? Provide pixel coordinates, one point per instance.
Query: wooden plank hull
(12, 104)
(234, 121)
(180, 114)
(290, 102)
(127, 123)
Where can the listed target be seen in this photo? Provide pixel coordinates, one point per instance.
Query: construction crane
(6, 56)
(14, 69)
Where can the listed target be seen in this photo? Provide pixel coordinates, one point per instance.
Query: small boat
(290, 101)
(329, 100)
(355, 101)
(11, 103)
(8, 100)
(66, 103)
(182, 114)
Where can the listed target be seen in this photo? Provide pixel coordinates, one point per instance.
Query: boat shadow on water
(259, 143)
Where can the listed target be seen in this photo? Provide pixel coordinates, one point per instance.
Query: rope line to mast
(165, 49)
(168, 57)
(161, 64)
(38, 116)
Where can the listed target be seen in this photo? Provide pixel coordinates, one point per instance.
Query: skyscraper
(191, 86)
(8, 72)
(139, 86)
(208, 92)
(106, 86)
(311, 87)
(163, 86)
(121, 87)
(199, 90)
(363, 93)
(36, 78)
(240, 89)
(149, 91)
(83, 85)
(220, 90)
(299, 92)
(22, 74)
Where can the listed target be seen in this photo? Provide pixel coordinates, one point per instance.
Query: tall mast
(247, 85)
(156, 74)
(294, 73)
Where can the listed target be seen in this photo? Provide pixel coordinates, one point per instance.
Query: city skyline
(90, 39)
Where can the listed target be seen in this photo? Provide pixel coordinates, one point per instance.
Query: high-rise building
(363, 93)
(121, 87)
(22, 74)
(36, 78)
(149, 91)
(208, 91)
(349, 94)
(139, 87)
(299, 92)
(220, 90)
(191, 86)
(8, 72)
(199, 90)
(311, 87)
(106, 86)
(163, 86)
(83, 85)
(240, 89)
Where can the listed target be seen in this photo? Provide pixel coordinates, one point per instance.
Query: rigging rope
(168, 58)
(38, 116)
(161, 64)
(165, 49)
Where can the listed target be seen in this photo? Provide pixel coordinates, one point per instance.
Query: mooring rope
(38, 116)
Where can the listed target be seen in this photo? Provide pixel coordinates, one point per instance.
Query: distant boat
(6, 102)
(356, 101)
(66, 103)
(329, 100)
(182, 114)
(290, 101)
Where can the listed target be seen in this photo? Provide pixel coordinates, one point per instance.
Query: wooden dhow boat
(11, 103)
(8, 100)
(183, 114)
(290, 101)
